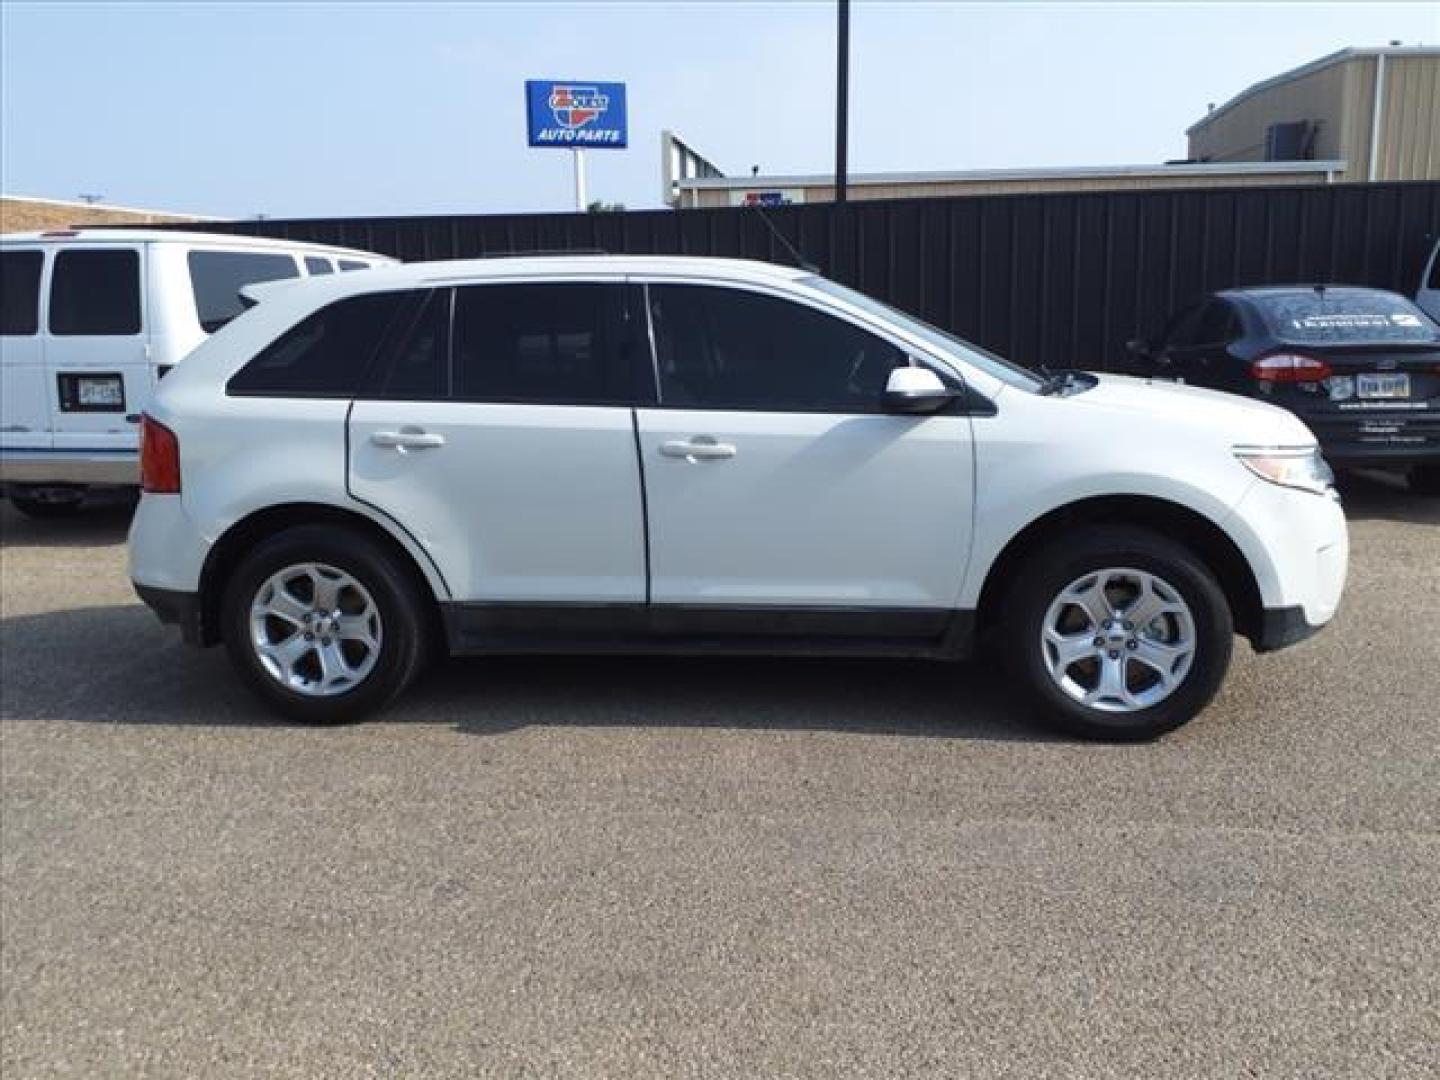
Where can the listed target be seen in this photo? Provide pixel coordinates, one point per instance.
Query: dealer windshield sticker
(1344, 322)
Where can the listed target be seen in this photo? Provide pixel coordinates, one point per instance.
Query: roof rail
(546, 252)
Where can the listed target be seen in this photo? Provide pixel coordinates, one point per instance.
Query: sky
(347, 109)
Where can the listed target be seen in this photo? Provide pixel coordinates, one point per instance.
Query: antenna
(800, 260)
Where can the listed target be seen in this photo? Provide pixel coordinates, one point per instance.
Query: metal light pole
(842, 95)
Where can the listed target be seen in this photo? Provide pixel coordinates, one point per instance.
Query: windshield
(1350, 317)
(944, 342)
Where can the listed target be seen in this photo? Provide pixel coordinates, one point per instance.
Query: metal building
(715, 190)
(1375, 110)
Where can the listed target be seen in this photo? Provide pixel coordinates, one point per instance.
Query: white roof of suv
(176, 236)
(561, 265)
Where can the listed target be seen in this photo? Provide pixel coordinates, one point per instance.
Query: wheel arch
(1209, 542)
(233, 544)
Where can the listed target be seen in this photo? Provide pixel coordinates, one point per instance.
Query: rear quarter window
(20, 292)
(216, 278)
(1329, 318)
(327, 353)
(95, 293)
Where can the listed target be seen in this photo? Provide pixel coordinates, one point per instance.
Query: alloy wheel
(1118, 640)
(315, 629)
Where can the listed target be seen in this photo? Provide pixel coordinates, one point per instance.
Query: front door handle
(700, 448)
(407, 438)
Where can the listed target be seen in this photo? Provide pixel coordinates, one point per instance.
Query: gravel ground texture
(658, 867)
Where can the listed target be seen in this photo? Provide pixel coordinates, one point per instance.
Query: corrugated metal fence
(1063, 280)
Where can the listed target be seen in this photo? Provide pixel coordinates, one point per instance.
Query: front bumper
(1298, 547)
(1282, 627)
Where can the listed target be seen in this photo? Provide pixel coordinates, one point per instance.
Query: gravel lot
(579, 867)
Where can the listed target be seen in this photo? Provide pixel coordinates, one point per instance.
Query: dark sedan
(1361, 367)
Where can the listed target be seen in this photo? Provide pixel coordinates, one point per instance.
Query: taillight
(159, 458)
(1289, 368)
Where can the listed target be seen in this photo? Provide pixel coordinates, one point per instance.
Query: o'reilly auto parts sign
(576, 114)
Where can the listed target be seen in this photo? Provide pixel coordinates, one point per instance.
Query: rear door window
(95, 293)
(543, 344)
(327, 353)
(20, 292)
(216, 278)
(1332, 317)
(316, 265)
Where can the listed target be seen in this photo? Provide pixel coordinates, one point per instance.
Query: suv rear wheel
(324, 624)
(1117, 634)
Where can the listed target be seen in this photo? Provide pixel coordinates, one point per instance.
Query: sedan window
(1343, 317)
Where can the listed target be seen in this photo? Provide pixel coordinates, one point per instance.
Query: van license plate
(1382, 386)
(106, 390)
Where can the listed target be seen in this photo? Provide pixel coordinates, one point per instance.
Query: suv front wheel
(1117, 634)
(324, 624)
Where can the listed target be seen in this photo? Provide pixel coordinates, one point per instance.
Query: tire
(47, 509)
(349, 667)
(1139, 702)
(1425, 479)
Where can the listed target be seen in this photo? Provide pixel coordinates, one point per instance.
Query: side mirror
(916, 390)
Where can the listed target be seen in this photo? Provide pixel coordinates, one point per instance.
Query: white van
(91, 320)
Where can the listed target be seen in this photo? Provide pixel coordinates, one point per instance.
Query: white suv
(684, 455)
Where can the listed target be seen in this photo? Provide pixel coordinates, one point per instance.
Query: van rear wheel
(324, 624)
(1117, 634)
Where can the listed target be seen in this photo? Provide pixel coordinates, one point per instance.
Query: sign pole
(579, 180)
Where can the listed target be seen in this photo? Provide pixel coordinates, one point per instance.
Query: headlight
(1290, 467)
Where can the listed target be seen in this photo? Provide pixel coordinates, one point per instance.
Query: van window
(324, 355)
(216, 278)
(353, 264)
(20, 292)
(316, 265)
(543, 344)
(95, 293)
(719, 348)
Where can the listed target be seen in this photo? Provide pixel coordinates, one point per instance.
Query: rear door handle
(407, 439)
(700, 448)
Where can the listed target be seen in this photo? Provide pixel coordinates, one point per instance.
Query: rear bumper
(173, 608)
(1391, 439)
(69, 467)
